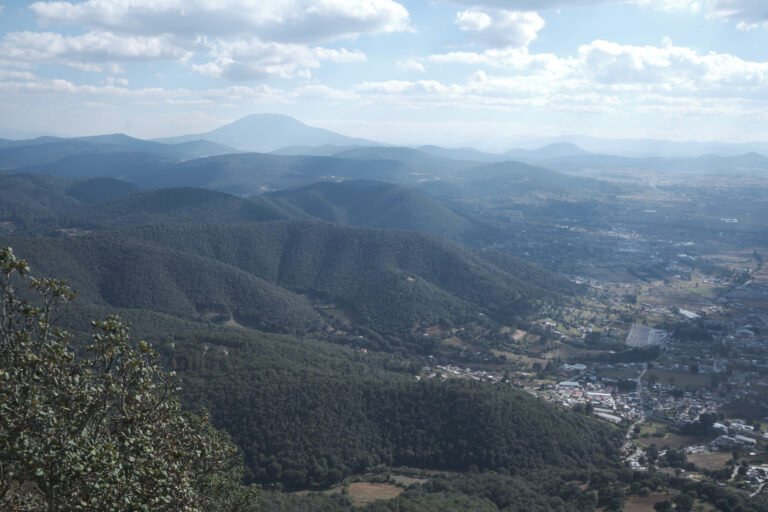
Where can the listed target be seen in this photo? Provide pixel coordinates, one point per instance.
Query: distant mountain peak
(552, 150)
(564, 146)
(268, 132)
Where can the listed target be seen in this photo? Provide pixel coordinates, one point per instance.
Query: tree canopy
(95, 427)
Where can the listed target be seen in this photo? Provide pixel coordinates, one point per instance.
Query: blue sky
(460, 72)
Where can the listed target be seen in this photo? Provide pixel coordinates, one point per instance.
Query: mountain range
(286, 135)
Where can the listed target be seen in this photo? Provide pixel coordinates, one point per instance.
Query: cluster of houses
(451, 371)
(605, 401)
(735, 434)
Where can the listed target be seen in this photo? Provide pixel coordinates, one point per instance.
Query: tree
(100, 428)
(683, 502)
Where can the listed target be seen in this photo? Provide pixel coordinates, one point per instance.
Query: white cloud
(8, 75)
(511, 59)
(2, 7)
(500, 28)
(231, 39)
(543, 5)
(670, 66)
(602, 76)
(90, 51)
(113, 80)
(747, 14)
(253, 59)
(411, 65)
(527, 5)
(269, 20)
(605, 63)
(669, 5)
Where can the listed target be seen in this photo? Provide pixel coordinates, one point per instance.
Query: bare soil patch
(363, 493)
(710, 460)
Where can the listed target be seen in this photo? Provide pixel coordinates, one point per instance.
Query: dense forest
(296, 317)
(308, 418)
(268, 275)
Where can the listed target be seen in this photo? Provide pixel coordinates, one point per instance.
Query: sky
(453, 72)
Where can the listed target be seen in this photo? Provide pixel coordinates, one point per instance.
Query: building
(641, 336)
(725, 443)
(748, 441)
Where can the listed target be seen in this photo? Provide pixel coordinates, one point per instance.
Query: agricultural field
(678, 378)
(709, 460)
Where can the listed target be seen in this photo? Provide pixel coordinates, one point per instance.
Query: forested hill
(379, 205)
(308, 414)
(173, 206)
(301, 428)
(35, 203)
(124, 273)
(388, 281)
(33, 199)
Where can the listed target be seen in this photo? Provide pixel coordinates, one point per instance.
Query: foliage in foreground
(97, 430)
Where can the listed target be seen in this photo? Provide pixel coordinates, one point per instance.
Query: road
(641, 419)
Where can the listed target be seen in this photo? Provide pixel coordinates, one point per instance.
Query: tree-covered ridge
(135, 275)
(306, 414)
(41, 153)
(174, 206)
(265, 274)
(379, 205)
(32, 201)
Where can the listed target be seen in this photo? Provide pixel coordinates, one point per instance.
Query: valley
(378, 326)
(383, 256)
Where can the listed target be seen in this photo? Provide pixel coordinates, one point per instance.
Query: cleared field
(674, 441)
(453, 342)
(519, 358)
(710, 460)
(644, 504)
(651, 428)
(363, 493)
(678, 379)
(638, 504)
(569, 352)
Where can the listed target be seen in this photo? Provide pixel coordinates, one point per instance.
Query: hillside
(118, 165)
(49, 151)
(173, 206)
(252, 173)
(32, 199)
(324, 150)
(389, 280)
(553, 150)
(98, 190)
(378, 205)
(309, 417)
(267, 132)
(107, 271)
(468, 154)
(505, 179)
(265, 274)
(423, 164)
